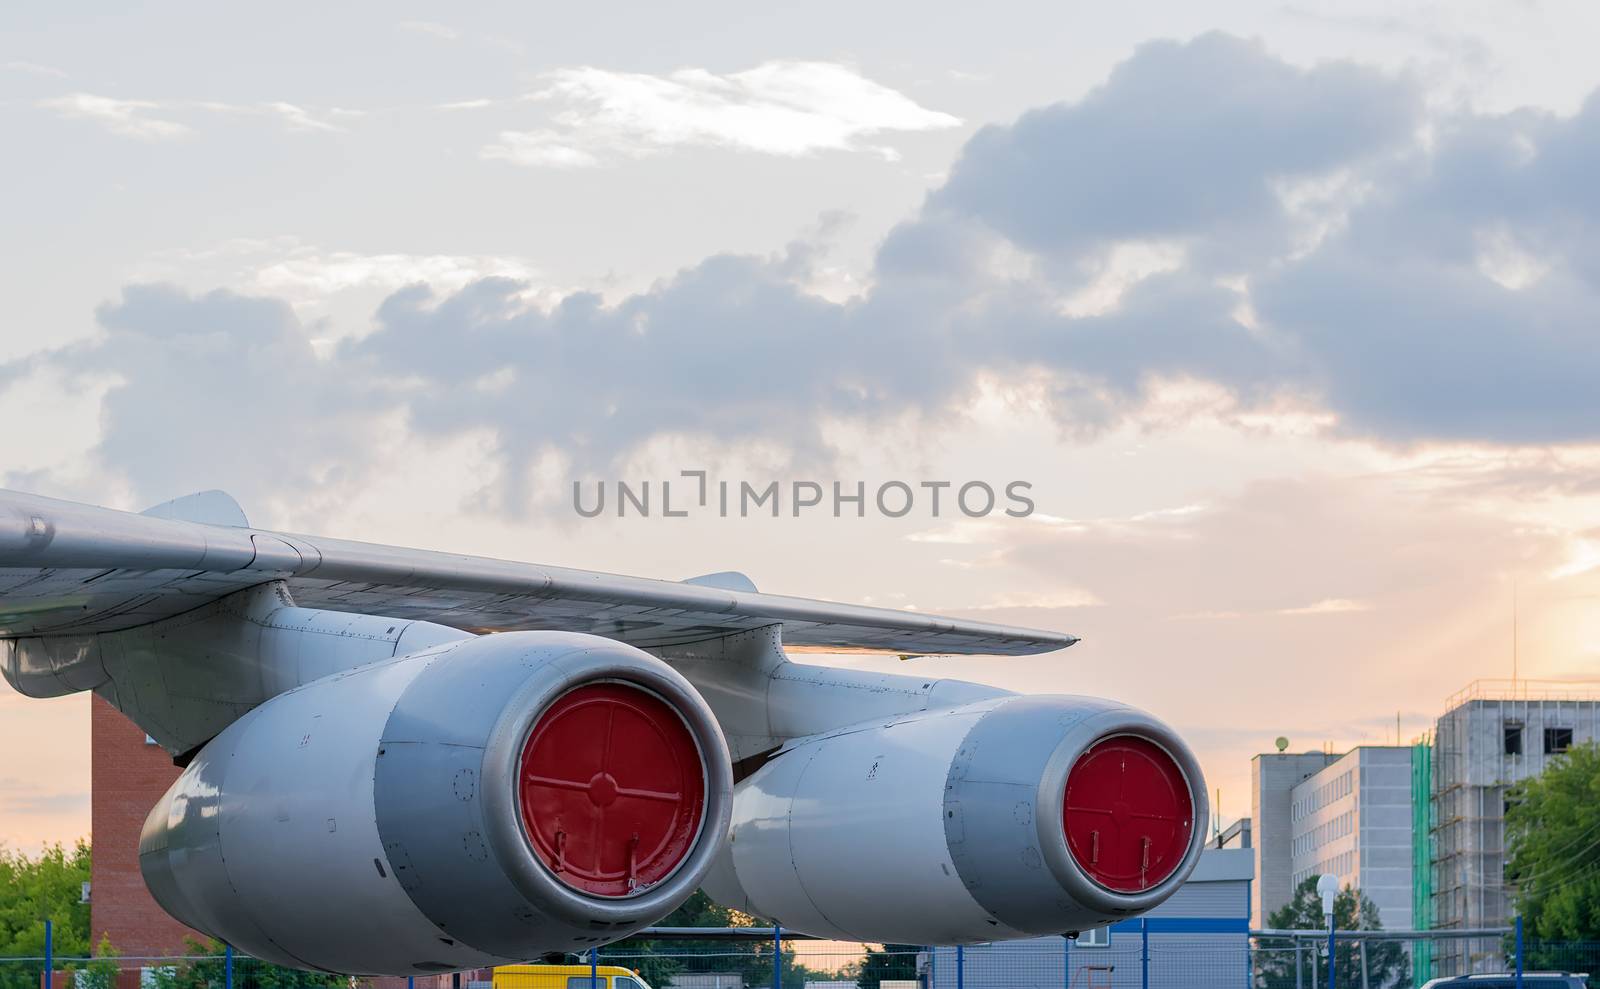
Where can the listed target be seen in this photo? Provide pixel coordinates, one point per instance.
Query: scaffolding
(1493, 735)
(1422, 856)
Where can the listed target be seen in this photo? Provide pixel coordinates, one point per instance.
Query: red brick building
(128, 774)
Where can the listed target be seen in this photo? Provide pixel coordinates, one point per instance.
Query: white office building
(1273, 777)
(1353, 819)
(1346, 815)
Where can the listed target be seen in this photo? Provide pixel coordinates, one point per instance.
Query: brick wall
(127, 777)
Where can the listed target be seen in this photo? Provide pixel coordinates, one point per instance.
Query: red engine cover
(612, 789)
(1127, 814)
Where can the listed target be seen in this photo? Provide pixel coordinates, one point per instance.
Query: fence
(1407, 959)
(1156, 953)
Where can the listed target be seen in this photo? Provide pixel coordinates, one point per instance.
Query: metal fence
(1133, 955)
(1405, 960)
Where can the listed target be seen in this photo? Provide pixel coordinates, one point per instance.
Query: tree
(33, 888)
(102, 972)
(659, 960)
(1553, 848)
(1386, 961)
(205, 968)
(889, 961)
(656, 961)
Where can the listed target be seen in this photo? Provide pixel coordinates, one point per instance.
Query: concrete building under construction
(1493, 734)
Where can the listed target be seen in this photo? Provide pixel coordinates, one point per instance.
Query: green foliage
(1387, 963)
(102, 972)
(31, 889)
(207, 969)
(697, 911)
(1553, 848)
(659, 960)
(49, 885)
(891, 961)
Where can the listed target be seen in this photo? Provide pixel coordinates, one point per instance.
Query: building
(1354, 819)
(1351, 815)
(1273, 777)
(128, 774)
(1493, 734)
(1199, 936)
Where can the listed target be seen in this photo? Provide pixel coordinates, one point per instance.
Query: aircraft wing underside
(69, 569)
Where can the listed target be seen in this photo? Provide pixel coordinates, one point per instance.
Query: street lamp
(1328, 889)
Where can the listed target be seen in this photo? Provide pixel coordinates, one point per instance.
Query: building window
(1095, 937)
(1513, 739)
(1557, 740)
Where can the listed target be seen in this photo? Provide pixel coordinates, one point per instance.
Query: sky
(1285, 313)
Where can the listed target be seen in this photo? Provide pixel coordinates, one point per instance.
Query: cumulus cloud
(785, 108)
(1189, 142)
(1211, 219)
(220, 386)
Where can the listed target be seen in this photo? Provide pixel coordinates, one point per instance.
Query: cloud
(125, 118)
(234, 390)
(292, 116)
(539, 149)
(432, 29)
(1327, 606)
(34, 68)
(310, 273)
(785, 108)
(299, 118)
(1212, 232)
(136, 118)
(1184, 142)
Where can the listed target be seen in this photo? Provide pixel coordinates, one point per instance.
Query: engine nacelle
(1006, 818)
(479, 802)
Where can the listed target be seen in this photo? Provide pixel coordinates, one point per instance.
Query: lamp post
(1328, 889)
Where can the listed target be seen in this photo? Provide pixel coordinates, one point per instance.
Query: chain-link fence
(1128, 956)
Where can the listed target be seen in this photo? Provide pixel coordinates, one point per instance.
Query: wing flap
(70, 568)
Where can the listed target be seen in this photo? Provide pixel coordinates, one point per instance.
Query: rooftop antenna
(1281, 743)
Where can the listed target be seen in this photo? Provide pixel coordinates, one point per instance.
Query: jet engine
(1005, 818)
(479, 802)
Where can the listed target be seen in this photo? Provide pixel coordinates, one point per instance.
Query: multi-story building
(1353, 819)
(1273, 777)
(1348, 815)
(1493, 734)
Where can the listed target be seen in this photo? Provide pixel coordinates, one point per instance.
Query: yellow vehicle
(567, 977)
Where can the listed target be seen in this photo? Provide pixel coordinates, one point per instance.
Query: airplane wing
(68, 569)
